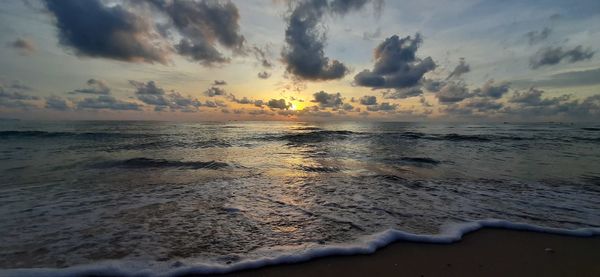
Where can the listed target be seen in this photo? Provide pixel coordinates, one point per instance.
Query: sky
(201, 60)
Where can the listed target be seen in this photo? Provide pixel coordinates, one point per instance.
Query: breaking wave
(367, 245)
(163, 163)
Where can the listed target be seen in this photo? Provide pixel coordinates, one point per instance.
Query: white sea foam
(369, 244)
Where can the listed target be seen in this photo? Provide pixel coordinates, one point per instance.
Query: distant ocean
(165, 198)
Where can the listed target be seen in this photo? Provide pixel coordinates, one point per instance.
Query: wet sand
(487, 252)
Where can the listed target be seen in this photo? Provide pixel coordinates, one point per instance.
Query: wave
(85, 135)
(316, 136)
(163, 163)
(367, 245)
(420, 160)
(591, 129)
(319, 169)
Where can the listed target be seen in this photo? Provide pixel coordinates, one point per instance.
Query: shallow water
(75, 193)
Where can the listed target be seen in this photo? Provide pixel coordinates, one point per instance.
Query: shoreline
(485, 252)
(488, 247)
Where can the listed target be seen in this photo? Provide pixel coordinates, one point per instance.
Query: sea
(137, 198)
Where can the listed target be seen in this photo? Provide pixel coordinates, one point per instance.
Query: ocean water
(153, 198)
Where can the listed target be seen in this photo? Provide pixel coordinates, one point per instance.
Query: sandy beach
(487, 252)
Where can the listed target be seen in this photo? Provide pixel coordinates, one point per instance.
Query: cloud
(149, 88)
(200, 51)
(219, 83)
(554, 55)
(57, 103)
(347, 107)
(304, 54)
(94, 87)
(328, 100)
(260, 112)
(373, 35)
(492, 90)
(25, 46)
(203, 24)
(16, 104)
(453, 92)
(13, 96)
(368, 100)
(246, 101)
(214, 104)
(93, 29)
(460, 69)
(535, 37)
(384, 107)
(403, 92)
(483, 104)
(396, 65)
(531, 104)
(215, 91)
(566, 79)
(262, 55)
(278, 104)
(533, 97)
(16, 95)
(149, 93)
(264, 75)
(107, 102)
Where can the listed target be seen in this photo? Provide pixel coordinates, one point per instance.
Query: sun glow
(296, 106)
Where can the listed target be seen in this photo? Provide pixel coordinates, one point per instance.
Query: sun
(296, 106)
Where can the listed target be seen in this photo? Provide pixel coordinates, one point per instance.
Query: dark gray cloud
(347, 107)
(456, 91)
(535, 37)
(214, 104)
(16, 104)
(12, 96)
(24, 46)
(533, 97)
(203, 24)
(304, 54)
(432, 85)
(402, 93)
(107, 102)
(531, 104)
(149, 88)
(15, 91)
(278, 104)
(453, 92)
(262, 55)
(246, 101)
(16, 95)
(264, 75)
(492, 89)
(257, 112)
(368, 100)
(328, 100)
(57, 103)
(94, 29)
(94, 87)
(200, 51)
(151, 94)
(483, 104)
(215, 91)
(554, 55)
(396, 65)
(384, 107)
(460, 69)
(219, 83)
